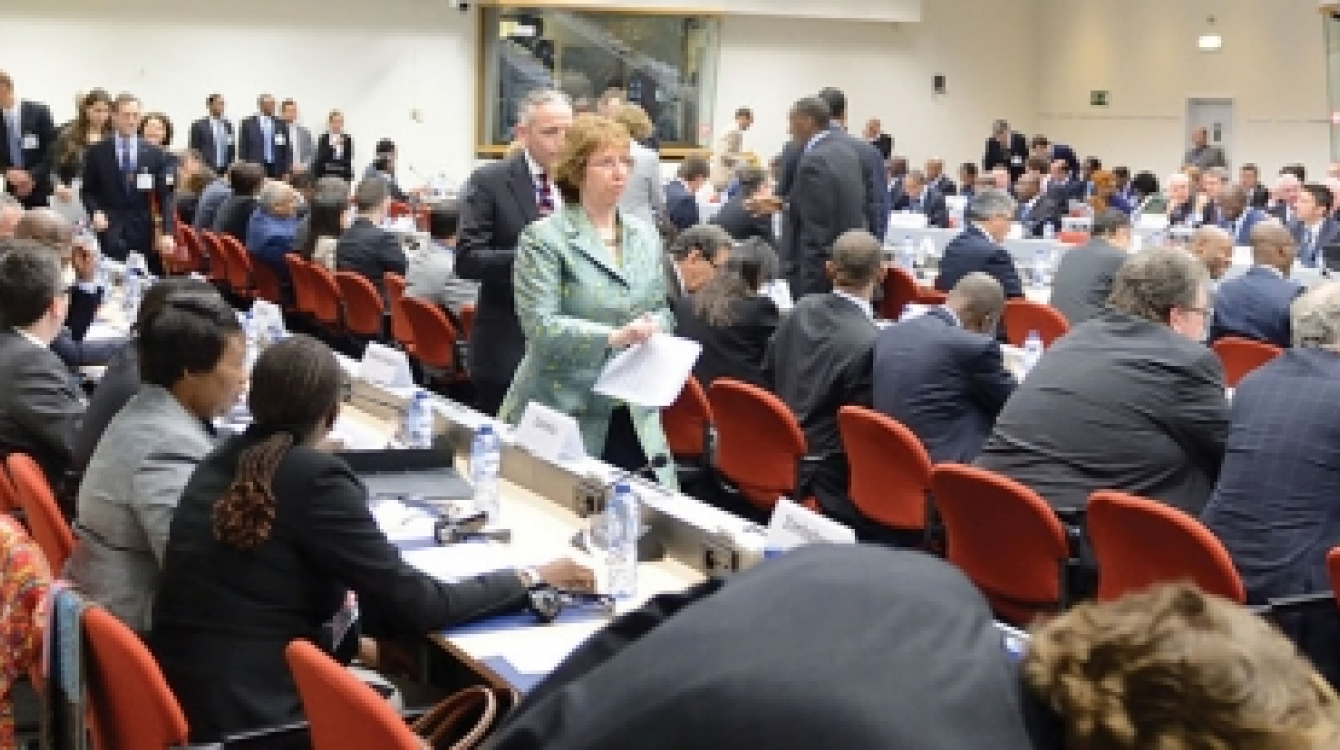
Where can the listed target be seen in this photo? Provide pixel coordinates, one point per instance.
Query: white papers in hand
(651, 373)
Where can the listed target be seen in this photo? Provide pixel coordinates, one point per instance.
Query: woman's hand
(567, 575)
(634, 333)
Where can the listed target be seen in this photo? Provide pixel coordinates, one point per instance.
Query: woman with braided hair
(270, 535)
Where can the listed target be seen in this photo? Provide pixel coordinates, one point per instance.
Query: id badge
(144, 181)
(280, 140)
(29, 142)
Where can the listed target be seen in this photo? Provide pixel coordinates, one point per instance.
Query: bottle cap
(622, 487)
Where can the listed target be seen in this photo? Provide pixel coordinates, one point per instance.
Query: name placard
(385, 366)
(794, 526)
(549, 434)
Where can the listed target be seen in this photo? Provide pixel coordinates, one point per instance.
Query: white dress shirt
(863, 304)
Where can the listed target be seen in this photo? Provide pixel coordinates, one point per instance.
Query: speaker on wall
(939, 83)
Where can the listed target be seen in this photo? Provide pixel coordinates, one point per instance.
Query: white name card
(269, 316)
(794, 526)
(549, 435)
(385, 366)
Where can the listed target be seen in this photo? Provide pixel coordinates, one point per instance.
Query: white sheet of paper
(651, 373)
(400, 522)
(794, 526)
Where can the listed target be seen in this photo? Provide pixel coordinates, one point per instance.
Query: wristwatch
(530, 577)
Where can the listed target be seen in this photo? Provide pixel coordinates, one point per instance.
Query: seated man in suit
(1084, 276)
(919, 198)
(1062, 184)
(990, 213)
(1042, 148)
(273, 227)
(1236, 216)
(967, 179)
(40, 406)
(694, 257)
(1274, 506)
(433, 275)
(820, 361)
(681, 193)
(1037, 210)
(1256, 304)
(1186, 207)
(1128, 401)
(365, 248)
(942, 374)
(936, 178)
(1213, 247)
(738, 221)
(1314, 229)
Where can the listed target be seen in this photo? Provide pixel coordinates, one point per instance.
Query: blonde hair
(1173, 668)
(588, 134)
(634, 118)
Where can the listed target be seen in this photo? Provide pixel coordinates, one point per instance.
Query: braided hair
(295, 387)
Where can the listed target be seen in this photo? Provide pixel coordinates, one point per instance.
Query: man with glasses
(694, 258)
(1129, 400)
(1256, 304)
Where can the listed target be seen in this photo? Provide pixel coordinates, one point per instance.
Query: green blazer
(570, 295)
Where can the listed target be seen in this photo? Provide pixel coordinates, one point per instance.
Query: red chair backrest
(1333, 571)
(1139, 542)
(890, 471)
(342, 712)
(268, 285)
(363, 308)
(218, 259)
(467, 318)
(9, 494)
(130, 702)
(1240, 356)
(1072, 237)
(1022, 316)
(687, 420)
(303, 295)
(1004, 536)
(899, 289)
(195, 254)
(239, 264)
(434, 335)
(926, 296)
(327, 304)
(759, 443)
(50, 529)
(396, 209)
(394, 284)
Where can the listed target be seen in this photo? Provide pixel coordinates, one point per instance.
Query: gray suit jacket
(304, 148)
(1084, 280)
(644, 195)
(127, 499)
(40, 406)
(432, 276)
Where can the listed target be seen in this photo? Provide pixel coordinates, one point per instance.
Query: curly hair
(588, 134)
(1173, 668)
(1149, 285)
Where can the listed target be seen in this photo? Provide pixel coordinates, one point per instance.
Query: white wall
(1272, 65)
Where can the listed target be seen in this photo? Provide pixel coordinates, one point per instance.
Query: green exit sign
(1098, 98)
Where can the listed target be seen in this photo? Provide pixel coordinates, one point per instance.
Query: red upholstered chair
(268, 285)
(467, 317)
(194, 250)
(364, 313)
(303, 294)
(1333, 571)
(50, 529)
(759, 444)
(1139, 542)
(1240, 356)
(9, 494)
(239, 267)
(327, 304)
(899, 289)
(687, 421)
(1072, 237)
(218, 260)
(928, 296)
(342, 712)
(435, 338)
(397, 209)
(1022, 316)
(1005, 538)
(394, 284)
(890, 471)
(130, 704)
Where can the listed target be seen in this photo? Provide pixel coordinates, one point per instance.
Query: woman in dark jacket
(730, 318)
(334, 151)
(269, 537)
(234, 216)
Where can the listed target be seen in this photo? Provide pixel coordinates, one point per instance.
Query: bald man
(1236, 216)
(942, 373)
(1256, 304)
(1214, 247)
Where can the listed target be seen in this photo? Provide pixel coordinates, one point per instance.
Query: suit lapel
(582, 235)
(523, 189)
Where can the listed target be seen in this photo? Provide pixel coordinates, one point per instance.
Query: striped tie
(544, 195)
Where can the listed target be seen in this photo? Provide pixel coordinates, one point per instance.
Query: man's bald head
(977, 300)
(1214, 247)
(1232, 200)
(1274, 246)
(47, 227)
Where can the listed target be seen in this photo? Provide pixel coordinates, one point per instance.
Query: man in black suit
(1256, 304)
(1085, 274)
(365, 248)
(820, 361)
(265, 140)
(826, 199)
(500, 200)
(878, 203)
(1062, 185)
(937, 179)
(694, 258)
(1005, 148)
(1274, 505)
(40, 406)
(1036, 210)
(212, 136)
(875, 136)
(1042, 148)
(1314, 228)
(920, 198)
(1249, 177)
(127, 191)
(942, 374)
(681, 193)
(738, 221)
(1128, 401)
(978, 247)
(27, 135)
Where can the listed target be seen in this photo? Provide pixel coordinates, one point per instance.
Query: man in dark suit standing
(1005, 148)
(1128, 401)
(365, 248)
(827, 198)
(1274, 506)
(1314, 228)
(40, 407)
(681, 193)
(1036, 210)
(820, 361)
(920, 198)
(500, 200)
(27, 135)
(937, 179)
(1085, 274)
(875, 136)
(942, 373)
(1256, 304)
(127, 192)
(212, 136)
(878, 203)
(738, 221)
(990, 214)
(265, 140)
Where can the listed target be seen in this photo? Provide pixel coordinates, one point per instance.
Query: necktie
(15, 140)
(127, 161)
(268, 136)
(544, 195)
(1311, 245)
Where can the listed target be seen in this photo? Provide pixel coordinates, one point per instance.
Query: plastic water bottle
(1032, 350)
(1048, 231)
(1042, 264)
(130, 294)
(418, 428)
(253, 344)
(907, 259)
(623, 525)
(485, 459)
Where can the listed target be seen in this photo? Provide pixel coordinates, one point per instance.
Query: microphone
(590, 499)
